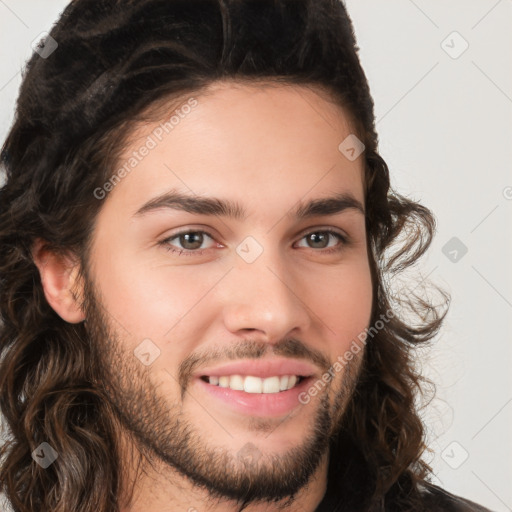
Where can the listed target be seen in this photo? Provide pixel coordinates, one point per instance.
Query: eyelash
(189, 252)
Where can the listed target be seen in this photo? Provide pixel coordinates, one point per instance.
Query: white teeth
(251, 384)
(271, 385)
(292, 381)
(236, 382)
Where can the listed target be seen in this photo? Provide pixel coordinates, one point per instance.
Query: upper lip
(260, 368)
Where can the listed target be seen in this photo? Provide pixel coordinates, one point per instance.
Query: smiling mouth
(253, 384)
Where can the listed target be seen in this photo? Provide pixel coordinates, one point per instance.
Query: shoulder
(437, 499)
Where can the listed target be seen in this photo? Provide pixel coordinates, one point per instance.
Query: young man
(194, 249)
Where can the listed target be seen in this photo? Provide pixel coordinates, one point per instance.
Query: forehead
(272, 141)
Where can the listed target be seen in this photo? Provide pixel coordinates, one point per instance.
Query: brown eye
(318, 240)
(192, 240)
(187, 242)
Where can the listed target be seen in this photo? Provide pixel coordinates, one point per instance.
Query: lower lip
(258, 404)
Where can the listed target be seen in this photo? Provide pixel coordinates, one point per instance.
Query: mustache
(249, 349)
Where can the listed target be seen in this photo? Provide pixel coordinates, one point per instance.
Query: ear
(59, 276)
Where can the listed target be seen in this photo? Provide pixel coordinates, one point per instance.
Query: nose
(265, 297)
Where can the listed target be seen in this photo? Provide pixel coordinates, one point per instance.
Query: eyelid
(173, 236)
(325, 229)
(343, 240)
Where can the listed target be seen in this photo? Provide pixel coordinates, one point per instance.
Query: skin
(267, 148)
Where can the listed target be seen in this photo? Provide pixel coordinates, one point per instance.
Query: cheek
(344, 302)
(150, 299)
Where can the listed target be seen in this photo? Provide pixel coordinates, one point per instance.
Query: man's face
(269, 290)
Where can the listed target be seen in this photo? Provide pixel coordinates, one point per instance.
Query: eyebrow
(226, 208)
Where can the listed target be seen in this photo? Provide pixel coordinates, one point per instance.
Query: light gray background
(445, 128)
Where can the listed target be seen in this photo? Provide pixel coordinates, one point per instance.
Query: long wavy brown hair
(116, 60)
